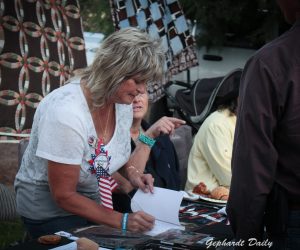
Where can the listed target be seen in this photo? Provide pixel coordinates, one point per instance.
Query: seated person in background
(162, 164)
(209, 163)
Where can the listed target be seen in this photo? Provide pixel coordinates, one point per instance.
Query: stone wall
(8, 162)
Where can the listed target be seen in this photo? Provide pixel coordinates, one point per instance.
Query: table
(35, 245)
(197, 217)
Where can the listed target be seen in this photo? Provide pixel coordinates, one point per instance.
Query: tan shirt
(210, 156)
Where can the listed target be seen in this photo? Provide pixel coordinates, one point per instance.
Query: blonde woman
(81, 135)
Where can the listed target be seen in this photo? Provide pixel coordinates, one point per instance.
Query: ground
(8, 162)
(12, 231)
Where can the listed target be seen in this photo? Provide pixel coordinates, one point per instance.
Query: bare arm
(63, 179)
(135, 166)
(123, 184)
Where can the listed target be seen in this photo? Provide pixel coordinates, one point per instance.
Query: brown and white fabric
(161, 19)
(41, 44)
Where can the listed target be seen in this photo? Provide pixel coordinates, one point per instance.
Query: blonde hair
(126, 53)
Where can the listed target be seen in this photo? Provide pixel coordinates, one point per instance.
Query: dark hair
(227, 96)
(231, 105)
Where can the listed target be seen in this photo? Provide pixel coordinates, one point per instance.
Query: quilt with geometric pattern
(162, 19)
(41, 44)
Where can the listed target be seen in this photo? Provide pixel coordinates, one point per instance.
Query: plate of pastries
(218, 195)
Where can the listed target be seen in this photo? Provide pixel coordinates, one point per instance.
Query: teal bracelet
(146, 140)
(124, 222)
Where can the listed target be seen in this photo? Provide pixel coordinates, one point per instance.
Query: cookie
(86, 244)
(220, 193)
(49, 239)
(201, 189)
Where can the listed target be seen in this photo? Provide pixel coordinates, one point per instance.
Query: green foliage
(96, 16)
(11, 232)
(249, 23)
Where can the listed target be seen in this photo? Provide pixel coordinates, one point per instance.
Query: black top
(162, 164)
(267, 136)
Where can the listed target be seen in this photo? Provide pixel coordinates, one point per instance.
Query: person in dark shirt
(265, 186)
(162, 163)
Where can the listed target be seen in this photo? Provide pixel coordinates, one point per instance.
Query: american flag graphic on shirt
(99, 165)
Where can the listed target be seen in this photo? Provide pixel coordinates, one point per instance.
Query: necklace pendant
(102, 159)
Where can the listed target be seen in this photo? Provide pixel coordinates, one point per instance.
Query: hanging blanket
(41, 43)
(161, 19)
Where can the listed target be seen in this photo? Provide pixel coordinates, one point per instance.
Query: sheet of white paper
(67, 235)
(161, 226)
(163, 204)
(72, 245)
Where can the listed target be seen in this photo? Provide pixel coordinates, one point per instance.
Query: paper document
(72, 245)
(163, 204)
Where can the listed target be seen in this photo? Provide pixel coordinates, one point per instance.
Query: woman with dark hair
(162, 162)
(210, 156)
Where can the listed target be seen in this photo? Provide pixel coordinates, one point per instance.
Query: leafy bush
(11, 233)
(230, 22)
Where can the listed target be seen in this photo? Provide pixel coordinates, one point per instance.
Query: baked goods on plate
(50, 239)
(219, 193)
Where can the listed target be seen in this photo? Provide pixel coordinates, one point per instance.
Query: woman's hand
(140, 222)
(140, 180)
(165, 125)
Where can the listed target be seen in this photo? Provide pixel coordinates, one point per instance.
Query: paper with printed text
(163, 204)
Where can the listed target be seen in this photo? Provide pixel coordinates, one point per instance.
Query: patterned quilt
(161, 19)
(41, 43)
